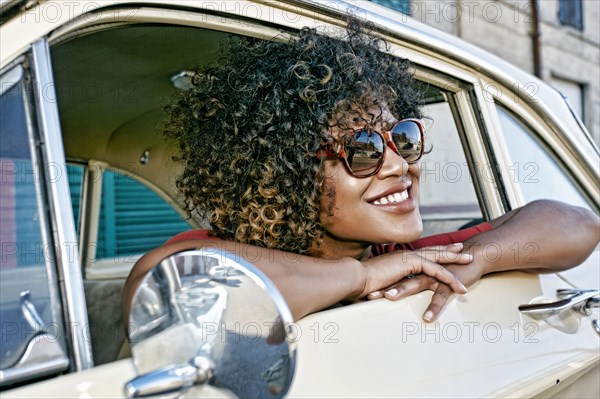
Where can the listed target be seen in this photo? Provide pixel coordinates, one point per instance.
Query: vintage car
(88, 187)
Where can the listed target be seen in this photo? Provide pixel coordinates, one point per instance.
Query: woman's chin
(412, 231)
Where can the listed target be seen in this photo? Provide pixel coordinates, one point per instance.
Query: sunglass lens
(364, 152)
(408, 139)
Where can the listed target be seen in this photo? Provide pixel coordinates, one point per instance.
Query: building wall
(570, 58)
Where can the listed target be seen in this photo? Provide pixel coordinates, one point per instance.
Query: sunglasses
(363, 150)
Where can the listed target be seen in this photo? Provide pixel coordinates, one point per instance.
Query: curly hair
(249, 130)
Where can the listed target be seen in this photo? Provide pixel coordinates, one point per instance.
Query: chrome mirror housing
(205, 318)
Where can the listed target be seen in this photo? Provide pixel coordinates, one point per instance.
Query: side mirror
(201, 318)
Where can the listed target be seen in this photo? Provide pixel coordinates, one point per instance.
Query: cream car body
(481, 346)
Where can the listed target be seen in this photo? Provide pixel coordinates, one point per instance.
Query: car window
(533, 168)
(133, 219)
(448, 198)
(30, 304)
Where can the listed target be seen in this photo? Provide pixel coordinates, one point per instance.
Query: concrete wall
(503, 27)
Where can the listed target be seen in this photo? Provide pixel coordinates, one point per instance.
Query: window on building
(570, 13)
(402, 6)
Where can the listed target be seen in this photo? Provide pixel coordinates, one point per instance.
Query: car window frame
(57, 228)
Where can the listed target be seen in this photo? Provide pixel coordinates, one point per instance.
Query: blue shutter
(133, 218)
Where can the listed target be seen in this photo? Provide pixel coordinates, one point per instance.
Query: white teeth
(392, 198)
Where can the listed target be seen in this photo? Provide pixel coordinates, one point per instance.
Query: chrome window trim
(61, 212)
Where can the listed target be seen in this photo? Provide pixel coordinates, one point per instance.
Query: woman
(303, 157)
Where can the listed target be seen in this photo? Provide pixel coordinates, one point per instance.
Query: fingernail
(428, 316)
(392, 292)
(376, 293)
(469, 256)
(459, 245)
(463, 287)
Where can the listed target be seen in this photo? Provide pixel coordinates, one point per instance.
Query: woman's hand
(389, 270)
(467, 274)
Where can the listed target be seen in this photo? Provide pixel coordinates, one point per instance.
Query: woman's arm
(309, 284)
(541, 237)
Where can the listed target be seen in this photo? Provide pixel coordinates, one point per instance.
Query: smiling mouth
(394, 198)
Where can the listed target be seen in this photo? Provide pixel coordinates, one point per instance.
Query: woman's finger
(408, 287)
(457, 247)
(439, 273)
(438, 301)
(375, 295)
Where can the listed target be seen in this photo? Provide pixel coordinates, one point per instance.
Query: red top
(438, 239)
(191, 235)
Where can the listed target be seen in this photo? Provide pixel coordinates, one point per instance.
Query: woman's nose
(393, 165)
